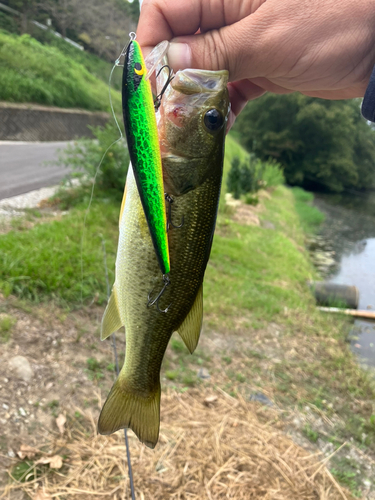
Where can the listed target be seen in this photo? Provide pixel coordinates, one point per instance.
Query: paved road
(22, 166)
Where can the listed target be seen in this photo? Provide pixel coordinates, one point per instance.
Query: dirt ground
(72, 372)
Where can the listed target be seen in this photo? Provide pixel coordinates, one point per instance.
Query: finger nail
(179, 55)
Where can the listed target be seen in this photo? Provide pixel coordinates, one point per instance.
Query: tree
(27, 9)
(319, 143)
(63, 12)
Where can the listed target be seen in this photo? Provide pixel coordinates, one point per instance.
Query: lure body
(144, 151)
(192, 124)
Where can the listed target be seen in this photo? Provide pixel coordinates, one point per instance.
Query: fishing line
(115, 65)
(113, 338)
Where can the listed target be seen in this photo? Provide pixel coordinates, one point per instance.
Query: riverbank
(264, 346)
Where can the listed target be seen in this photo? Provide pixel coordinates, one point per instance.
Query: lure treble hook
(155, 301)
(157, 100)
(169, 219)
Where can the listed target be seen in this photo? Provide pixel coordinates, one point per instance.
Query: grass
(310, 216)
(6, 324)
(37, 73)
(53, 268)
(94, 65)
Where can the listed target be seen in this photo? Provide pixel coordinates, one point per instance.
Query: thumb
(231, 48)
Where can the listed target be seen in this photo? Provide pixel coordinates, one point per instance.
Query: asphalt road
(22, 167)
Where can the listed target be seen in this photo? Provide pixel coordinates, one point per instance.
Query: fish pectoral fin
(124, 409)
(191, 327)
(111, 318)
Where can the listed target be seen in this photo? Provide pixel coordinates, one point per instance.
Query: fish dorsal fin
(191, 327)
(111, 319)
(123, 203)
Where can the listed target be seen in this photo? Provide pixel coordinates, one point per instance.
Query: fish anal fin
(190, 328)
(123, 202)
(125, 409)
(111, 318)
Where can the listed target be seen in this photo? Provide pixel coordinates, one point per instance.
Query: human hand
(322, 48)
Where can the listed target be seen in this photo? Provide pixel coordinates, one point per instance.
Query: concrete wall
(29, 122)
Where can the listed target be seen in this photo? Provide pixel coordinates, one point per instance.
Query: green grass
(256, 269)
(310, 216)
(6, 324)
(94, 369)
(94, 65)
(45, 261)
(37, 73)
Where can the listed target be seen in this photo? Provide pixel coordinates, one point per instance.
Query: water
(350, 229)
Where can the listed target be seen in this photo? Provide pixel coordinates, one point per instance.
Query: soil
(57, 346)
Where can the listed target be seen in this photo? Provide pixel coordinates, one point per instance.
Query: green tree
(319, 143)
(234, 178)
(27, 9)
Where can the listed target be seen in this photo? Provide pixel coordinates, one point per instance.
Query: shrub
(84, 158)
(252, 175)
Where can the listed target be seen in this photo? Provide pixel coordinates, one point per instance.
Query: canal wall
(29, 122)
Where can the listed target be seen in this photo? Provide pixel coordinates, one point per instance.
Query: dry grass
(211, 446)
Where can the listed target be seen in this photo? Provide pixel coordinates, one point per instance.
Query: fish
(144, 150)
(192, 126)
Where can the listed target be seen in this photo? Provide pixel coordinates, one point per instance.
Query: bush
(252, 175)
(84, 158)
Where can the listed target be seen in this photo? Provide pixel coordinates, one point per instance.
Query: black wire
(113, 337)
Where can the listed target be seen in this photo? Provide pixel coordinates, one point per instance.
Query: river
(349, 228)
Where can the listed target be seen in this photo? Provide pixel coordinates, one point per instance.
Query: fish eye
(213, 119)
(138, 69)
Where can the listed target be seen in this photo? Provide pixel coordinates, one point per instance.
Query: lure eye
(213, 119)
(138, 69)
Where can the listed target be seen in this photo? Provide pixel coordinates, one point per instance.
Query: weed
(53, 404)
(172, 374)
(25, 471)
(6, 324)
(227, 359)
(346, 471)
(240, 377)
(178, 346)
(83, 158)
(189, 378)
(94, 369)
(310, 433)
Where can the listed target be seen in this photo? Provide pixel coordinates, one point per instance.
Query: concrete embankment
(30, 122)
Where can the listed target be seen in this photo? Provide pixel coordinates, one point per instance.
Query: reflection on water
(350, 228)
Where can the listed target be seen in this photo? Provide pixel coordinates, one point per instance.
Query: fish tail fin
(111, 319)
(124, 409)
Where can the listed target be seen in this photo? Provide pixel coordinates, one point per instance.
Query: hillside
(47, 74)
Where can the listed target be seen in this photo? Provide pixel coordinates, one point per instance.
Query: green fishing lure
(144, 150)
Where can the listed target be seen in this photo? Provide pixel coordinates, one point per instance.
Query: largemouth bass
(192, 125)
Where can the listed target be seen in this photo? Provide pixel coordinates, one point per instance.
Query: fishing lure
(144, 151)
